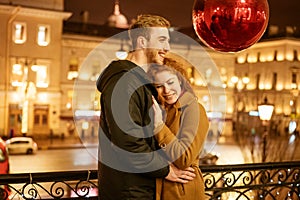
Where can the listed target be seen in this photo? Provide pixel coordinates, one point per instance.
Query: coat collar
(184, 100)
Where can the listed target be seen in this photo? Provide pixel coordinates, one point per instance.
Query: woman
(182, 133)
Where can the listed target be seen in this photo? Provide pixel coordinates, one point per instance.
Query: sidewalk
(65, 143)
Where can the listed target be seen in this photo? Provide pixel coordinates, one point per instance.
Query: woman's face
(168, 86)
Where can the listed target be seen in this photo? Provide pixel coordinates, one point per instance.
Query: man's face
(158, 45)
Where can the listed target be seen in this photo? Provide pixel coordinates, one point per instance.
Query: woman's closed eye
(170, 82)
(158, 86)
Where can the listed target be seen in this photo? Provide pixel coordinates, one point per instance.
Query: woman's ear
(141, 42)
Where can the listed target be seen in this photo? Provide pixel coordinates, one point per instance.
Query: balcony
(270, 181)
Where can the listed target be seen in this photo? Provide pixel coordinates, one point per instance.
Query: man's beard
(152, 56)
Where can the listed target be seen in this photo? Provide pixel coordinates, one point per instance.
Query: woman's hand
(158, 116)
(180, 176)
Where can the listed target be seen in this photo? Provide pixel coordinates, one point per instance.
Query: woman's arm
(182, 148)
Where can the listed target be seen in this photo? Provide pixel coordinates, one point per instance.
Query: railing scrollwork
(50, 185)
(273, 181)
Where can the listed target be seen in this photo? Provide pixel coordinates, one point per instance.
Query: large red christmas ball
(230, 25)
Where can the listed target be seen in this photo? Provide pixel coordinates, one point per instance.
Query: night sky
(178, 12)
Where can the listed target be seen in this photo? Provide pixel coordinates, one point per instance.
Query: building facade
(30, 59)
(51, 66)
(272, 71)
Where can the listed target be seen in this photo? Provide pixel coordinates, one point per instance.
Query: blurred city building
(30, 60)
(43, 58)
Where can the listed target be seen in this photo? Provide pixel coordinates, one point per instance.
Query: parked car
(20, 145)
(4, 168)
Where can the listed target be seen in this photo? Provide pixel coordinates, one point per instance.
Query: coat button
(163, 145)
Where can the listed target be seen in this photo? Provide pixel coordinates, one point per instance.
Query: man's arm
(182, 149)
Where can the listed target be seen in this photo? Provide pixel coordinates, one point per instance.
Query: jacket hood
(115, 68)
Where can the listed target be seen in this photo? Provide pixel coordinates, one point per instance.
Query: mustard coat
(182, 138)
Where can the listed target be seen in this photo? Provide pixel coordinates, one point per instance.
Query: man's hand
(180, 176)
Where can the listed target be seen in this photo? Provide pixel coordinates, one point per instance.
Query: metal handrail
(48, 176)
(252, 166)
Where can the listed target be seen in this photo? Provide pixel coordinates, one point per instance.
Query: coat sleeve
(183, 148)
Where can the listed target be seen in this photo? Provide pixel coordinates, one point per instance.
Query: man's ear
(141, 42)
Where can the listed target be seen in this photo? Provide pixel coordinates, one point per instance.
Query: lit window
(43, 35)
(18, 72)
(41, 68)
(17, 69)
(294, 81)
(73, 68)
(42, 76)
(19, 32)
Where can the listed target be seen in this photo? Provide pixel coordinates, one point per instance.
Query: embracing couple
(152, 127)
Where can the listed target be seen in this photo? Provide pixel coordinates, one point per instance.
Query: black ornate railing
(280, 181)
(49, 185)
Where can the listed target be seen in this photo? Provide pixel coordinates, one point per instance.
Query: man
(129, 159)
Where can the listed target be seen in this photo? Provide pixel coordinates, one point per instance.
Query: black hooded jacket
(129, 159)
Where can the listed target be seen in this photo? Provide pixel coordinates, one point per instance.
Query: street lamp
(121, 53)
(29, 92)
(265, 111)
